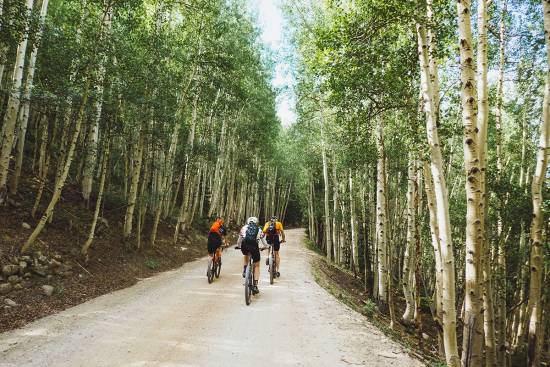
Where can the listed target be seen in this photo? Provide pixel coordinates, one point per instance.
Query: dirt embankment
(55, 276)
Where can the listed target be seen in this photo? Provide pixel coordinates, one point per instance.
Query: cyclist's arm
(239, 241)
(283, 235)
(262, 238)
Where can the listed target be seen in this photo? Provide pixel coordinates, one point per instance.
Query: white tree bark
(473, 316)
(67, 165)
(132, 194)
(14, 100)
(409, 259)
(25, 108)
(539, 176)
(381, 212)
(441, 203)
(93, 136)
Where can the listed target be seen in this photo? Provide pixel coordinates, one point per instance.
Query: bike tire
(247, 287)
(209, 272)
(271, 272)
(218, 270)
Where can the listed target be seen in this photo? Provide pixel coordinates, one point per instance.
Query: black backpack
(251, 234)
(272, 229)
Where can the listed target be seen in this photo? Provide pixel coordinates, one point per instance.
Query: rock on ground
(48, 290)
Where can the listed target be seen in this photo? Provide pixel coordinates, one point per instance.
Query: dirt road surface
(178, 319)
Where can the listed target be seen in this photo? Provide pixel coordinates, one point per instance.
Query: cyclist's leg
(255, 253)
(219, 253)
(276, 248)
(245, 257)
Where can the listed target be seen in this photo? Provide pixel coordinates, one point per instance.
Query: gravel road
(178, 319)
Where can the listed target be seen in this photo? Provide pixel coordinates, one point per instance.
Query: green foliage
(152, 263)
(370, 308)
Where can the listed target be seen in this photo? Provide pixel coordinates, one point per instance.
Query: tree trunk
(441, 203)
(104, 168)
(473, 315)
(500, 322)
(59, 185)
(25, 108)
(381, 220)
(14, 100)
(92, 142)
(536, 258)
(132, 194)
(409, 259)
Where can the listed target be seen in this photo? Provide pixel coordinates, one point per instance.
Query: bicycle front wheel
(210, 272)
(271, 270)
(218, 269)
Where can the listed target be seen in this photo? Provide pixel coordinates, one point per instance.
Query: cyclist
(249, 236)
(216, 237)
(273, 229)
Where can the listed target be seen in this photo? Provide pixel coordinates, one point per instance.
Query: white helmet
(252, 220)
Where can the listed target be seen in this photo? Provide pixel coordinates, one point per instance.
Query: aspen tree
(473, 297)
(25, 108)
(104, 168)
(12, 109)
(93, 135)
(409, 259)
(500, 321)
(441, 203)
(67, 165)
(539, 175)
(381, 213)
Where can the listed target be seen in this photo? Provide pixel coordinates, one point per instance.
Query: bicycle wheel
(271, 270)
(218, 268)
(209, 272)
(248, 285)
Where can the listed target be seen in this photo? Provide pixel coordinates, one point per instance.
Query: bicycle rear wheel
(248, 285)
(209, 272)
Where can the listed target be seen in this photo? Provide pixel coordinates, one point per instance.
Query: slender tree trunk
(44, 161)
(132, 195)
(25, 108)
(409, 259)
(104, 168)
(536, 258)
(328, 238)
(93, 136)
(381, 212)
(14, 100)
(353, 225)
(441, 202)
(473, 315)
(500, 321)
(59, 185)
(482, 122)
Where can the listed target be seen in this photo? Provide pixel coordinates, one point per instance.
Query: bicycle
(271, 266)
(248, 278)
(214, 266)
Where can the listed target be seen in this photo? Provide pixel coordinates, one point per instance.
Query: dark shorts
(275, 241)
(214, 242)
(251, 248)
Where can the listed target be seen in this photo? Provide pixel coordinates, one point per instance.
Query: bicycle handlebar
(261, 249)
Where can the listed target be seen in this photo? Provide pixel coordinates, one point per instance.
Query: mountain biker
(216, 237)
(273, 229)
(249, 236)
